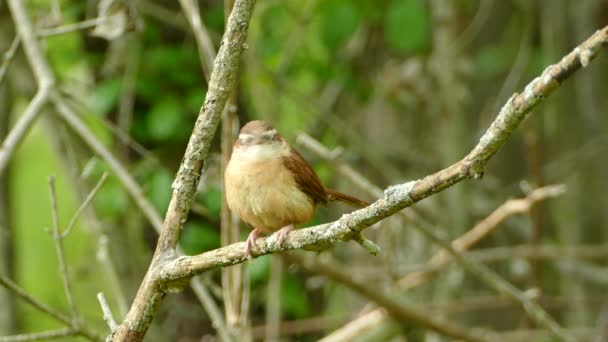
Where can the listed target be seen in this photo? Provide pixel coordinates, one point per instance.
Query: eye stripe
(269, 134)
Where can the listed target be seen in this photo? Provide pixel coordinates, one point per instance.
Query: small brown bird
(271, 186)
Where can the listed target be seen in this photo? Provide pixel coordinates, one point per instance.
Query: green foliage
(199, 237)
(166, 119)
(112, 201)
(105, 96)
(214, 17)
(340, 19)
(272, 32)
(259, 270)
(159, 189)
(212, 200)
(406, 26)
(493, 60)
(294, 301)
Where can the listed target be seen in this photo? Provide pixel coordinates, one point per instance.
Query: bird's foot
(250, 242)
(282, 234)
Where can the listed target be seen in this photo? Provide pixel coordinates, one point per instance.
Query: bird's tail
(367, 244)
(334, 195)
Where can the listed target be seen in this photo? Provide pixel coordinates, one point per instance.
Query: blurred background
(394, 89)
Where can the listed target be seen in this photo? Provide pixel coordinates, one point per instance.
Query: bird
(270, 186)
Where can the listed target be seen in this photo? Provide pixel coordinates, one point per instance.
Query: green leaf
(339, 20)
(406, 27)
(199, 237)
(165, 118)
(105, 96)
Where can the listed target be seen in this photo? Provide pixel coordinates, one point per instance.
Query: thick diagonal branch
(153, 289)
(404, 195)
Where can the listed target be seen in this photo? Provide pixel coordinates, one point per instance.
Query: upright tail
(334, 195)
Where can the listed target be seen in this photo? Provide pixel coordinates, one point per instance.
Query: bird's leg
(250, 242)
(283, 233)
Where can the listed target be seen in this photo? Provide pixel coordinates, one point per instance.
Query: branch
(81, 330)
(404, 195)
(44, 335)
(8, 58)
(107, 313)
(442, 258)
(84, 205)
(152, 290)
(26, 121)
(398, 308)
(206, 51)
(63, 268)
(400, 196)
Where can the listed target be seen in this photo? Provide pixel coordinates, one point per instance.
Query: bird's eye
(269, 135)
(246, 138)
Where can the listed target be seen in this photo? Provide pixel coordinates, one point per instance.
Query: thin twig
(107, 312)
(404, 195)
(63, 268)
(222, 79)
(84, 204)
(113, 279)
(214, 312)
(21, 293)
(25, 123)
(401, 310)
(206, 51)
(82, 330)
(8, 58)
(123, 175)
(82, 25)
(470, 238)
(39, 336)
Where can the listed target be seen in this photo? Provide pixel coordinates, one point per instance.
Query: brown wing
(305, 176)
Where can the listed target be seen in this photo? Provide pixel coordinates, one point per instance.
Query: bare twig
(300, 326)
(123, 175)
(401, 196)
(83, 25)
(206, 51)
(112, 277)
(21, 293)
(82, 330)
(401, 310)
(470, 238)
(214, 312)
(107, 313)
(39, 336)
(541, 252)
(84, 204)
(8, 57)
(223, 77)
(17, 133)
(127, 98)
(63, 268)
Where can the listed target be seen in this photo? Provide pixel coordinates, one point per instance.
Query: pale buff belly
(267, 200)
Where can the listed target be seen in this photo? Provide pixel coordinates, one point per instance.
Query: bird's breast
(264, 193)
